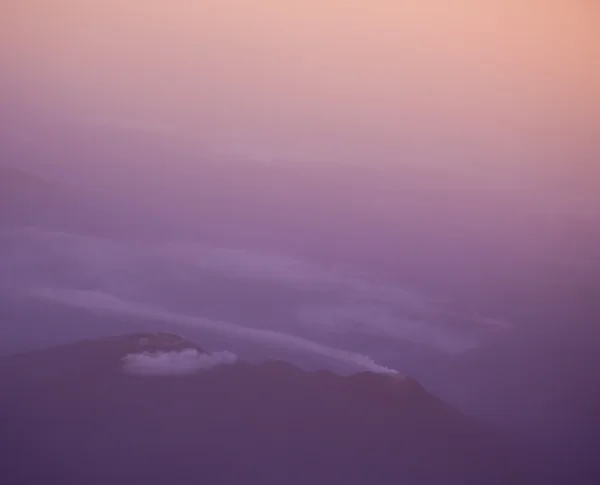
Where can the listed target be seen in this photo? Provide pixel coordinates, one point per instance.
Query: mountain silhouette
(72, 414)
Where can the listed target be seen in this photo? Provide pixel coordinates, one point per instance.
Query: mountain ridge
(83, 418)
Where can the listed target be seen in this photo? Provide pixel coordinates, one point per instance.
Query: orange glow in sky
(493, 80)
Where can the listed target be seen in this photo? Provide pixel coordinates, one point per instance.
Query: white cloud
(103, 302)
(188, 361)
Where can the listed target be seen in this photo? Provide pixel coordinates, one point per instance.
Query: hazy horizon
(508, 89)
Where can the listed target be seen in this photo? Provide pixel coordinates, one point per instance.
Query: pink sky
(508, 86)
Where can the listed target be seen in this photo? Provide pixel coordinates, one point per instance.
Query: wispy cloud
(104, 302)
(284, 269)
(31, 245)
(127, 270)
(374, 319)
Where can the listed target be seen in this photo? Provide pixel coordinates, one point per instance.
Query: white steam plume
(188, 361)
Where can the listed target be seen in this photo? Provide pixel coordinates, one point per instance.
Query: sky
(500, 88)
(336, 247)
(478, 95)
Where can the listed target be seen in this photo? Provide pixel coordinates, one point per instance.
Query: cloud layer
(103, 302)
(142, 271)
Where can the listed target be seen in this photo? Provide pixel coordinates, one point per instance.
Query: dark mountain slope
(72, 415)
